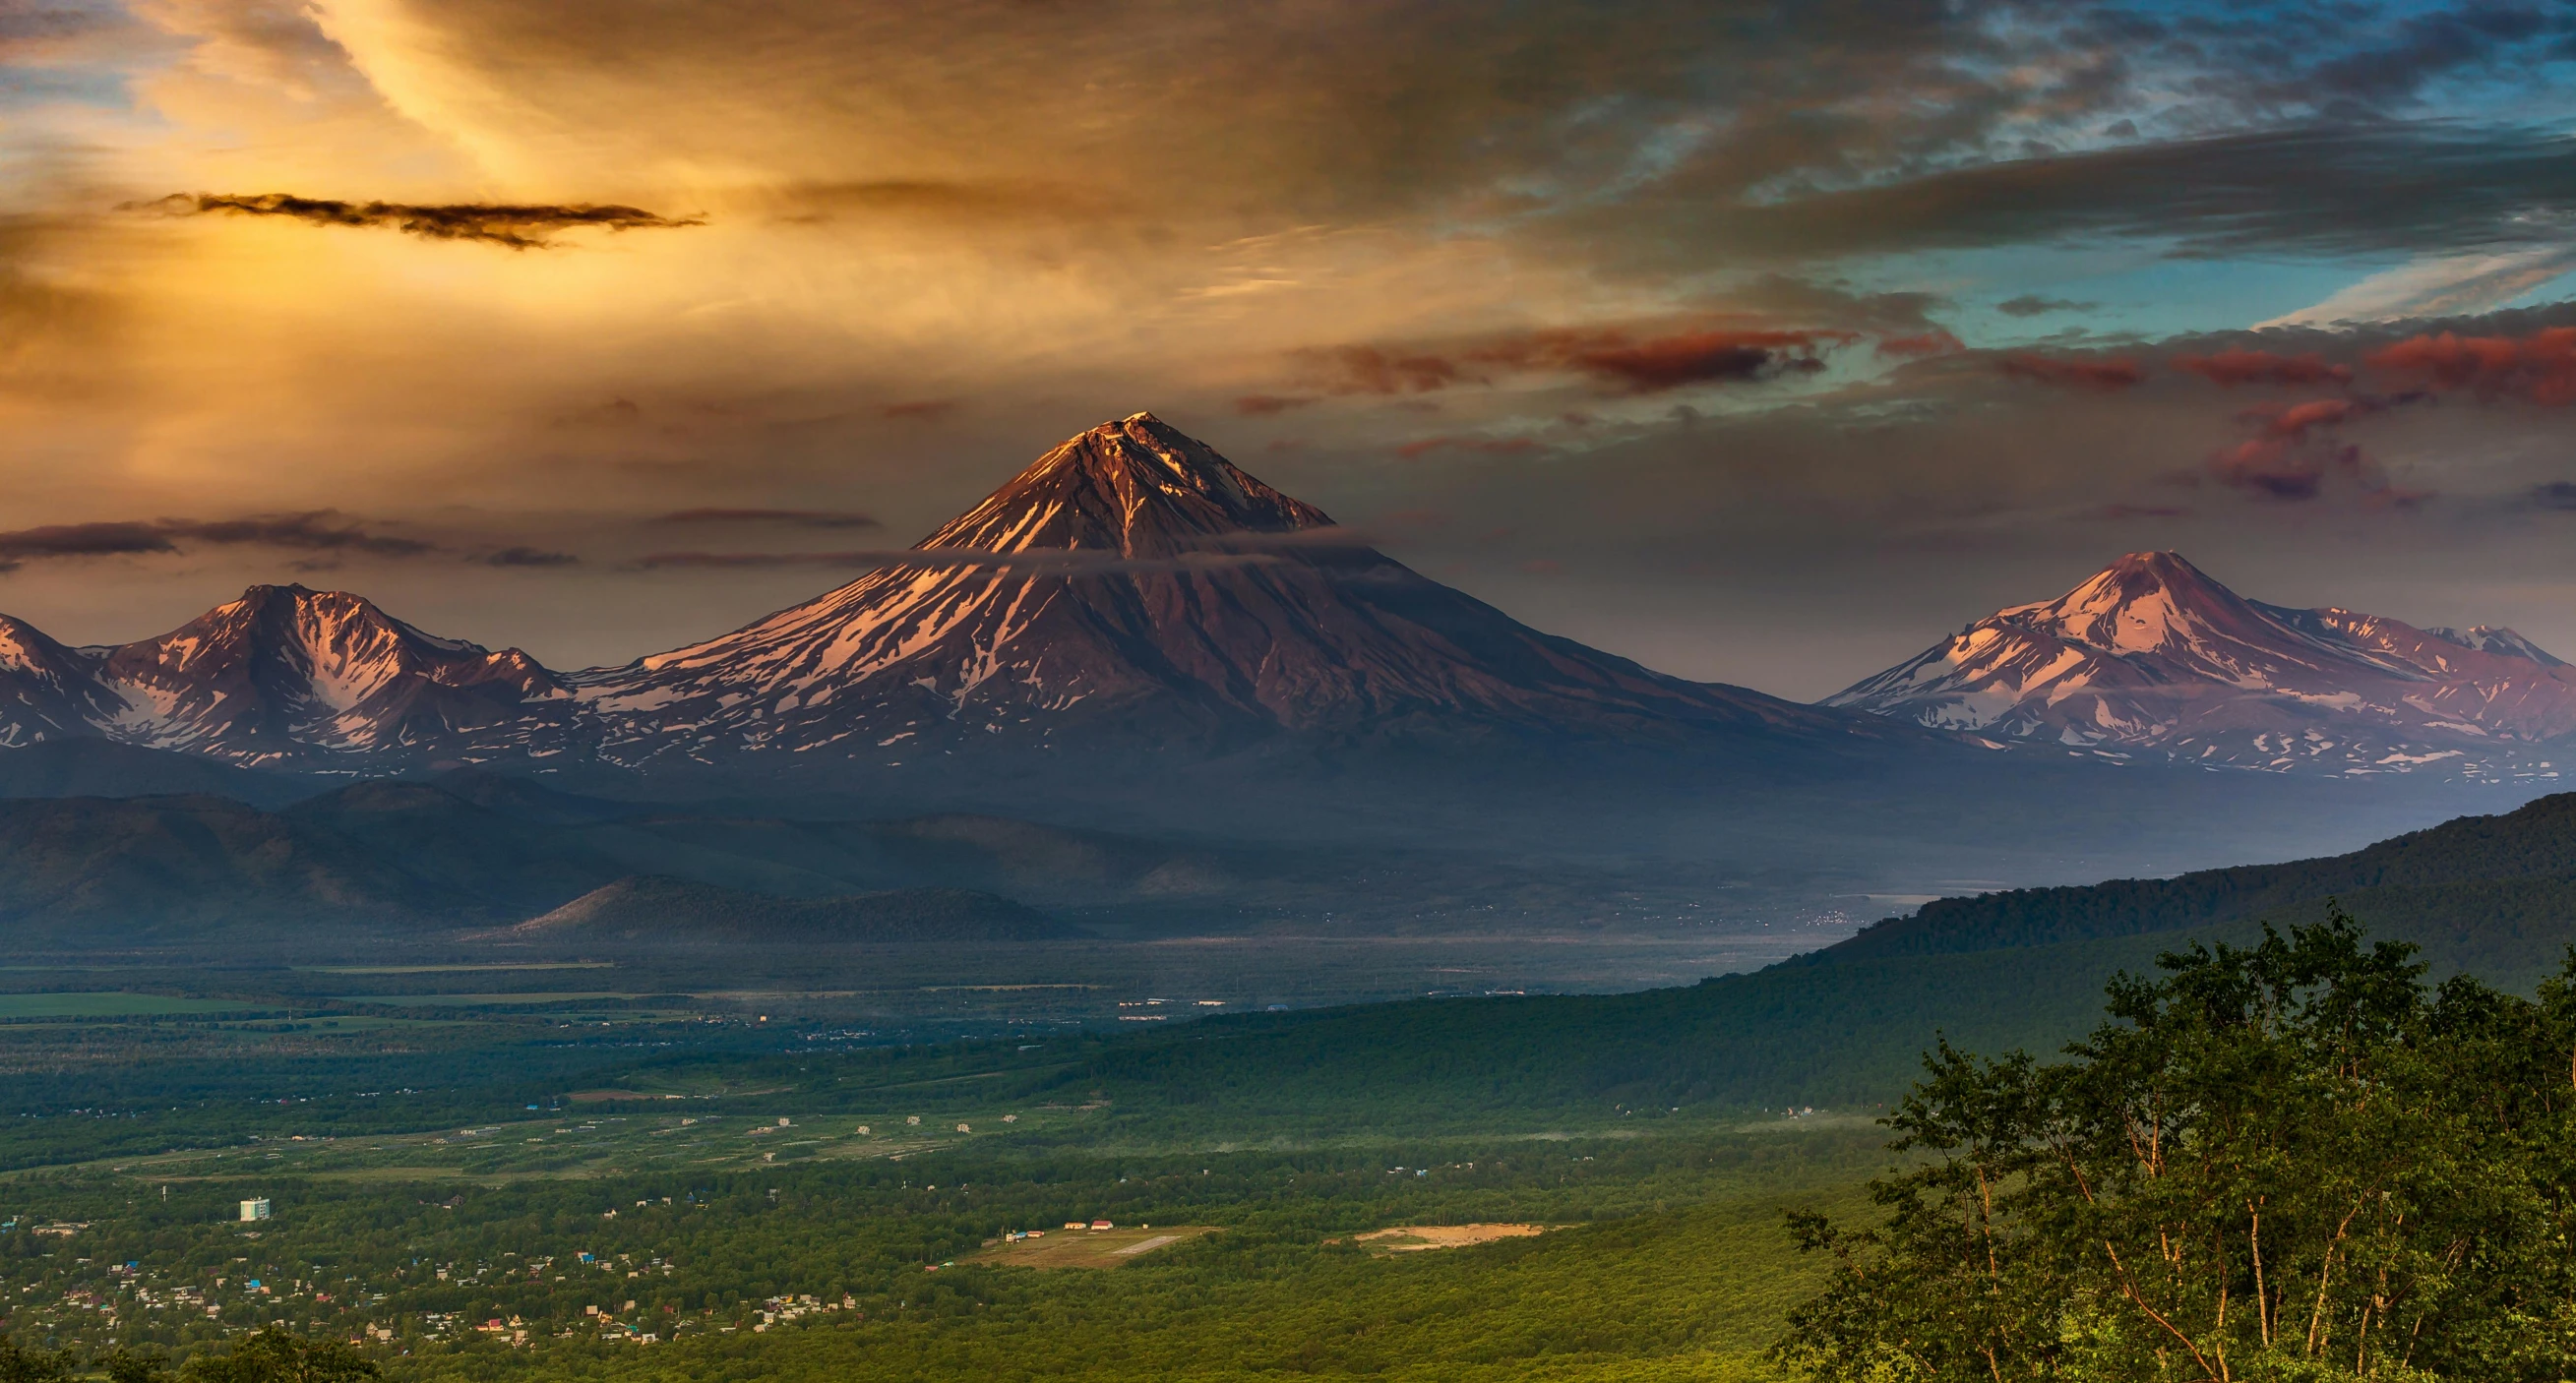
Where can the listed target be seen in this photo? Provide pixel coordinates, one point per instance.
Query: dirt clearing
(1415, 1238)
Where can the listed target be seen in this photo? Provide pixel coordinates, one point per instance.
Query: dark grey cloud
(528, 557)
(2034, 305)
(2427, 47)
(2553, 494)
(1646, 358)
(519, 226)
(315, 531)
(2316, 189)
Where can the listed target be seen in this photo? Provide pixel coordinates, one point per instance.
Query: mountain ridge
(2151, 657)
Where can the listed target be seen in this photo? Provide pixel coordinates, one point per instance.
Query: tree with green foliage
(19, 1364)
(2294, 1161)
(123, 1365)
(278, 1356)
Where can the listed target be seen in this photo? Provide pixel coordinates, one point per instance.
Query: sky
(1764, 343)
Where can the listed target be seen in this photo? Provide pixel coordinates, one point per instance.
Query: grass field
(1088, 1248)
(110, 1004)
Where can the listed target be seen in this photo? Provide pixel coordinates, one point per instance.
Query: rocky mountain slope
(2152, 658)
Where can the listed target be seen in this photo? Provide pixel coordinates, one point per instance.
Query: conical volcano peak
(1138, 486)
(2144, 600)
(2139, 573)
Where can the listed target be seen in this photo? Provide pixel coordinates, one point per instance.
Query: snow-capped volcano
(2152, 656)
(286, 674)
(1133, 587)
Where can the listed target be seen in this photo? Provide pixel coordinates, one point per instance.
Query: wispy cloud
(2440, 286)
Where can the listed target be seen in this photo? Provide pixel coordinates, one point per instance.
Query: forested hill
(2536, 842)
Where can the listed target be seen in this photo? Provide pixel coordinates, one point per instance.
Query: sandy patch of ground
(1415, 1238)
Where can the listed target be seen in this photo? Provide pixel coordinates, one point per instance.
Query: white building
(254, 1210)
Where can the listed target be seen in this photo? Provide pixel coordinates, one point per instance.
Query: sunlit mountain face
(1748, 344)
(2151, 657)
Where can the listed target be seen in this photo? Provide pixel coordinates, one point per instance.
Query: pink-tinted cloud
(2294, 421)
(1920, 346)
(2279, 468)
(2294, 452)
(2540, 367)
(2109, 374)
(1270, 405)
(1369, 370)
(2233, 367)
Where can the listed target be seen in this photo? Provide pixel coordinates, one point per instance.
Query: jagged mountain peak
(2497, 639)
(1138, 486)
(319, 621)
(286, 673)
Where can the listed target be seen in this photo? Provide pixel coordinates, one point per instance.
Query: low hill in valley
(653, 910)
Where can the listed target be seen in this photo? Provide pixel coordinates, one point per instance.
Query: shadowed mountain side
(2536, 842)
(92, 873)
(104, 768)
(674, 912)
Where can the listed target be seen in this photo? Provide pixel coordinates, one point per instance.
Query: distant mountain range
(1130, 591)
(1133, 596)
(2153, 659)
